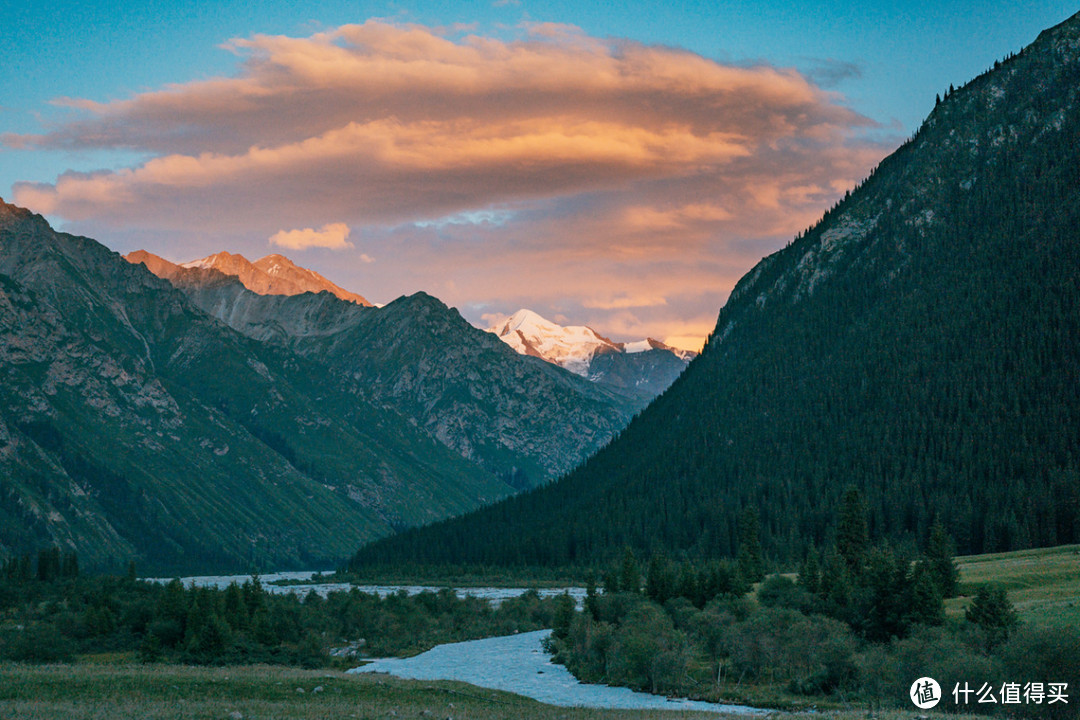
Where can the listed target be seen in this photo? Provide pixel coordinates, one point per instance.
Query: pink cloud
(592, 162)
(334, 236)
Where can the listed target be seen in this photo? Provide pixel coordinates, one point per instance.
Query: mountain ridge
(273, 274)
(523, 419)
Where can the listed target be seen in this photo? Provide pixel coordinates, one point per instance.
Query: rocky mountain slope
(135, 426)
(523, 419)
(271, 275)
(921, 342)
(643, 369)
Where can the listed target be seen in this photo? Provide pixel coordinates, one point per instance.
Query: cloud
(591, 163)
(829, 73)
(623, 302)
(490, 320)
(334, 236)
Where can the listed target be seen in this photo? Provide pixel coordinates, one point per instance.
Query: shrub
(1044, 654)
(780, 591)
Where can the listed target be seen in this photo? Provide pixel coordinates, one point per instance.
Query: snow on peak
(571, 347)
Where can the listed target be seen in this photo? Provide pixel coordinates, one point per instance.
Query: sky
(619, 165)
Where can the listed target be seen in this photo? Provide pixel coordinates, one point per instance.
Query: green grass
(172, 692)
(1043, 584)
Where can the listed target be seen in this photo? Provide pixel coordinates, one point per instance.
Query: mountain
(571, 347)
(134, 426)
(271, 275)
(524, 420)
(642, 369)
(921, 342)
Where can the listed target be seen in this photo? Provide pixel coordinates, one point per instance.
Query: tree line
(859, 622)
(50, 612)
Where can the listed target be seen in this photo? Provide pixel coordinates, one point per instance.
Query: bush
(780, 591)
(885, 672)
(1044, 654)
(813, 653)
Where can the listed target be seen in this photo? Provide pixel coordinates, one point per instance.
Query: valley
(476, 474)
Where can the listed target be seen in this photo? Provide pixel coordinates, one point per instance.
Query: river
(518, 664)
(514, 663)
(494, 594)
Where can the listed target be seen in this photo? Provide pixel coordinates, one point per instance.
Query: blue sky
(883, 61)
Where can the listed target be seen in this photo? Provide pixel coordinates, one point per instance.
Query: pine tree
(993, 612)
(658, 579)
(70, 565)
(852, 533)
(592, 603)
(939, 553)
(751, 563)
(810, 573)
(924, 603)
(48, 567)
(630, 575)
(564, 616)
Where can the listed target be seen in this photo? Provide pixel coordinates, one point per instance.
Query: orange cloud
(591, 162)
(334, 236)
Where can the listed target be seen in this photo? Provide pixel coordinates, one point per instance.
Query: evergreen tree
(611, 582)
(939, 553)
(810, 572)
(150, 649)
(657, 582)
(751, 562)
(49, 566)
(564, 616)
(885, 587)
(630, 575)
(687, 585)
(852, 532)
(592, 602)
(236, 613)
(835, 588)
(924, 601)
(70, 565)
(993, 612)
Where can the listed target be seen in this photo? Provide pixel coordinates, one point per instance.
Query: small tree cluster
(880, 592)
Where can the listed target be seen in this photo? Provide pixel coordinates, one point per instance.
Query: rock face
(135, 426)
(523, 419)
(642, 369)
(921, 342)
(271, 275)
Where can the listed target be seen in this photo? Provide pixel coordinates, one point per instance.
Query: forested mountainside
(133, 426)
(524, 420)
(921, 342)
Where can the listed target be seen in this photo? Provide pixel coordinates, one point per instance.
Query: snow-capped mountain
(571, 347)
(642, 369)
(272, 275)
